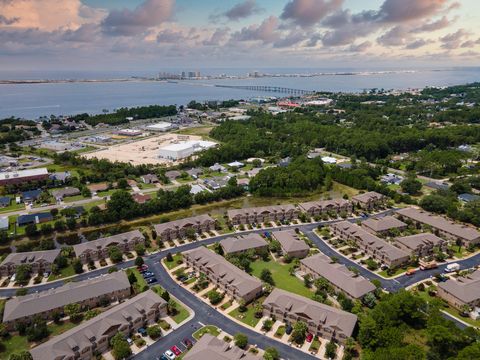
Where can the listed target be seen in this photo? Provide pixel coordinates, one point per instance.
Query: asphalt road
(205, 314)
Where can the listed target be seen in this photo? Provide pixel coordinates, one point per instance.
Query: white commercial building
(329, 160)
(184, 149)
(160, 126)
(130, 132)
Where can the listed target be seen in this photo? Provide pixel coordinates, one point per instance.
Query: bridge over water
(266, 88)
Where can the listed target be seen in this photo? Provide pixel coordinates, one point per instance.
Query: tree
(215, 297)
(115, 254)
(241, 340)
(267, 325)
(31, 230)
(37, 330)
(154, 332)
(271, 353)
(169, 257)
(59, 225)
(411, 185)
(122, 184)
(139, 261)
(165, 296)
(266, 276)
(73, 311)
(132, 279)
(331, 350)
(299, 332)
(77, 266)
(22, 273)
(71, 223)
(307, 280)
(120, 347)
(140, 249)
(23, 355)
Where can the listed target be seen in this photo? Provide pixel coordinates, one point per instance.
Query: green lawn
(397, 272)
(57, 329)
(13, 207)
(140, 283)
(209, 329)
(12, 345)
(247, 317)
(315, 344)
(65, 272)
(70, 199)
(172, 264)
(281, 276)
(181, 315)
(280, 331)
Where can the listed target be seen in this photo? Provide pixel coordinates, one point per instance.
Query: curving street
(205, 314)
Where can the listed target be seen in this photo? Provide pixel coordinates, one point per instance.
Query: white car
(170, 355)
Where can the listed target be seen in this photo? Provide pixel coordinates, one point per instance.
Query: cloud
(433, 26)
(396, 36)
(8, 21)
(417, 44)
(306, 13)
(399, 11)
(293, 38)
(218, 37)
(454, 40)
(242, 10)
(362, 47)
(267, 32)
(170, 36)
(84, 34)
(128, 22)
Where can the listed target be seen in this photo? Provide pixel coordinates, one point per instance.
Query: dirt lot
(140, 152)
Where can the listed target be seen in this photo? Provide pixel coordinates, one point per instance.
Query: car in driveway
(289, 329)
(188, 343)
(175, 350)
(309, 337)
(169, 355)
(142, 331)
(148, 274)
(151, 280)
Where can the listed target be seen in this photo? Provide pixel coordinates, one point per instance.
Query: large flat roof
(23, 173)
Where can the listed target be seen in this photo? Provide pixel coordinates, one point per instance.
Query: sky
(154, 35)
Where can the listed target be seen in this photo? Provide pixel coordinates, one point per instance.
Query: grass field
(172, 264)
(140, 283)
(209, 329)
(247, 317)
(281, 276)
(65, 272)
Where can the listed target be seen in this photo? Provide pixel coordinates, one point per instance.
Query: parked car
(129, 341)
(148, 274)
(309, 337)
(142, 331)
(289, 329)
(151, 280)
(169, 355)
(163, 357)
(142, 268)
(410, 272)
(175, 350)
(188, 343)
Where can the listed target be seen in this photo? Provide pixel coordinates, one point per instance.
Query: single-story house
(150, 179)
(31, 195)
(5, 201)
(36, 218)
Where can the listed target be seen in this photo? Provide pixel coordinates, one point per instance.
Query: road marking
(201, 323)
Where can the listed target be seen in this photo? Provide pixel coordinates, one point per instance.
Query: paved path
(205, 314)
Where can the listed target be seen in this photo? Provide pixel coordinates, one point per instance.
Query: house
(341, 278)
(98, 249)
(96, 188)
(61, 176)
(264, 214)
(285, 162)
(383, 225)
(218, 168)
(141, 198)
(291, 244)
(239, 244)
(461, 291)
(178, 229)
(36, 218)
(150, 179)
(65, 192)
(93, 336)
(372, 245)
(438, 185)
(23, 176)
(369, 200)
(4, 224)
(230, 279)
(442, 227)
(39, 261)
(466, 198)
(421, 244)
(217, 182)
(87, 293)
(5, 201)
(197, 188)
(194, 172)
(31, 195)
(322, 320)
(236, 164)
(326, 207)
(173, 174)
(209, 347)
(392, 179)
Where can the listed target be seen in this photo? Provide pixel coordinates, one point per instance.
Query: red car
(309, 337)
(142, 268)
(175, 350)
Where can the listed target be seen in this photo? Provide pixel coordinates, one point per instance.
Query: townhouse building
(38, 261)
(461, 291)
(421, 245)
(383, 225)
(441, 226)
(233, 281)
(325, 207)
(372, 245)
(88, 294)
(84, 341)
(265, 214)
(342, 279)
(209, 347)
(98, 249)
(370, 200)
(178, 229)
(291, 243)
(238, 244)
(322, 320)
